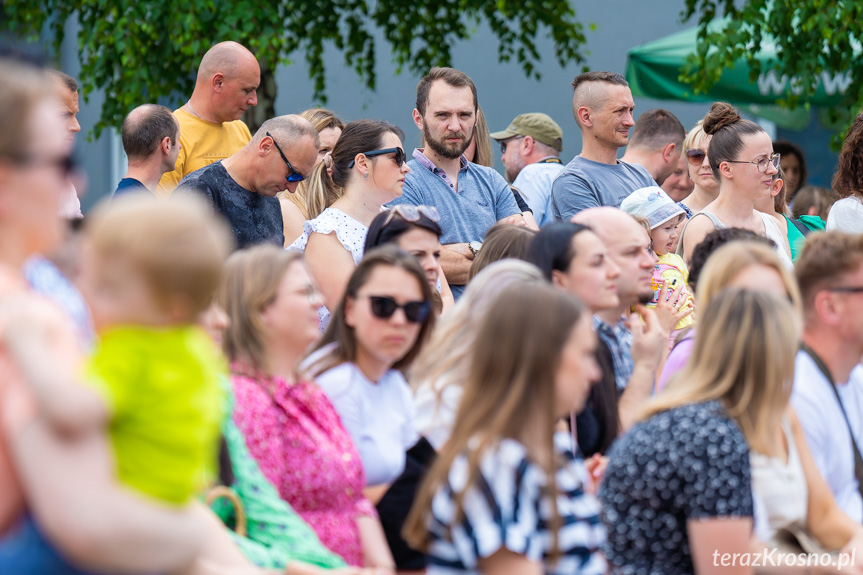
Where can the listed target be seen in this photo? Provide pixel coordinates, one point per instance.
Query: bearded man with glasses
(243, 187)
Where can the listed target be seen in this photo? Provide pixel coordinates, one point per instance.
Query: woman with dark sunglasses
(706, 186)
(378, 329)
(368, 171)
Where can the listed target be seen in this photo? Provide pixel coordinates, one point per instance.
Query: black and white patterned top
(350, 233)
(505, 506)
(691, 462)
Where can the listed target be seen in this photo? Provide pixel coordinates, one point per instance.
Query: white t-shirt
(826, 431)
(435, 412)
(378, 416)
(534, 183)
(846, 215)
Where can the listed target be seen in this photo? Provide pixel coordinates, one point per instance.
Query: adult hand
(674, 304)
(649, 339)
(516, 220)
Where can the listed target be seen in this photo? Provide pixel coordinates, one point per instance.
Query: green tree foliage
(814, 39)
(142, 50)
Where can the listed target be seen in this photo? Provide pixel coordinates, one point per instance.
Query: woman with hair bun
(742, 158)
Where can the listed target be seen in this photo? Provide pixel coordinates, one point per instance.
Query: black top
(691, 462)
(254, 218)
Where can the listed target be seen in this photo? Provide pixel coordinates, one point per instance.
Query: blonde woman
(440, 370)
(742, 264)
(506, 494)
(706, 186)
(301, 205)
(718, 447)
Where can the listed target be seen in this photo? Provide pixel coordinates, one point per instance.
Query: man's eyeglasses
(384, 307)
(761, 164)
(412, 213)
(400, 155)
(695, 156)
(293, 175)
(504, 143)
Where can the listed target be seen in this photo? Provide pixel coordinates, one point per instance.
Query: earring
(366, 176)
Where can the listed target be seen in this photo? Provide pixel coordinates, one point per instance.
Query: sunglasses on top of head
(399, 158)
(293, 175)
(384, 307)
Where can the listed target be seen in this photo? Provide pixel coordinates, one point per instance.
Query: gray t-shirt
(254, 218)
(587, 184)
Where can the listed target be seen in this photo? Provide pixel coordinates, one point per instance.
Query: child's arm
(44, 348)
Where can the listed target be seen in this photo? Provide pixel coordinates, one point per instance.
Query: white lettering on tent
(771, 84)
(838, 83)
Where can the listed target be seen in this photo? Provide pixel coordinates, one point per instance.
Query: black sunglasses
(293, 175)
(504, 143)
(695, 156)
(384, 307)
(400, 155)
(65, 163)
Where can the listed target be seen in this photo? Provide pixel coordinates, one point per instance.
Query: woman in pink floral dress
(291, 428)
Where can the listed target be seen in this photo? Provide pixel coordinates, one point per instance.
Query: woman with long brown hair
(506, 493)
(847, 214)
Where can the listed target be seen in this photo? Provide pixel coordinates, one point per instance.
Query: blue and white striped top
(505, 506)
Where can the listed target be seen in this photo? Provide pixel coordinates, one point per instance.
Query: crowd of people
(304, 351)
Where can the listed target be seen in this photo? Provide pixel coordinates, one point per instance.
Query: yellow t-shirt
(203, 143)
(163, 393)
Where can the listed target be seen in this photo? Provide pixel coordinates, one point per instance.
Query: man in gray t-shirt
(602, 104)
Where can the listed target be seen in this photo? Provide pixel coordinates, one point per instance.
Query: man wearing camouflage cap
(529, 148)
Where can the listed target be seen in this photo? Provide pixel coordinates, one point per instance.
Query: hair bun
(720, 115)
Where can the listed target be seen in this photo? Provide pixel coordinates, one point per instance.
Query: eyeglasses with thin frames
(311, 292)
(760, 165)
(293, 175)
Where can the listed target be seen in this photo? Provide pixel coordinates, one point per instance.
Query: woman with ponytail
(368, 171)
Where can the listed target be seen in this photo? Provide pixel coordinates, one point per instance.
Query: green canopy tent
(653, 71)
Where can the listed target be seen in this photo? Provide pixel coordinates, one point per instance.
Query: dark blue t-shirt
(254, 218)
(130, 186)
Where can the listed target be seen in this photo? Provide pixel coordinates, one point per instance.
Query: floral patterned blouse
(297, 438)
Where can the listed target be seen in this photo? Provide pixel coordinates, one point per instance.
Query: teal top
(795, 238)
(276, 534)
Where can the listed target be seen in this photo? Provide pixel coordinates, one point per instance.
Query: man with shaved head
(243, 187)
(151, 139)
(602, 105)
(210, 124)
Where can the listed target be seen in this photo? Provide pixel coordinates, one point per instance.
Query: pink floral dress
(298, 440)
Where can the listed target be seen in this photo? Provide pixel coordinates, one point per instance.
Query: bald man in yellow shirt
(210, 124)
